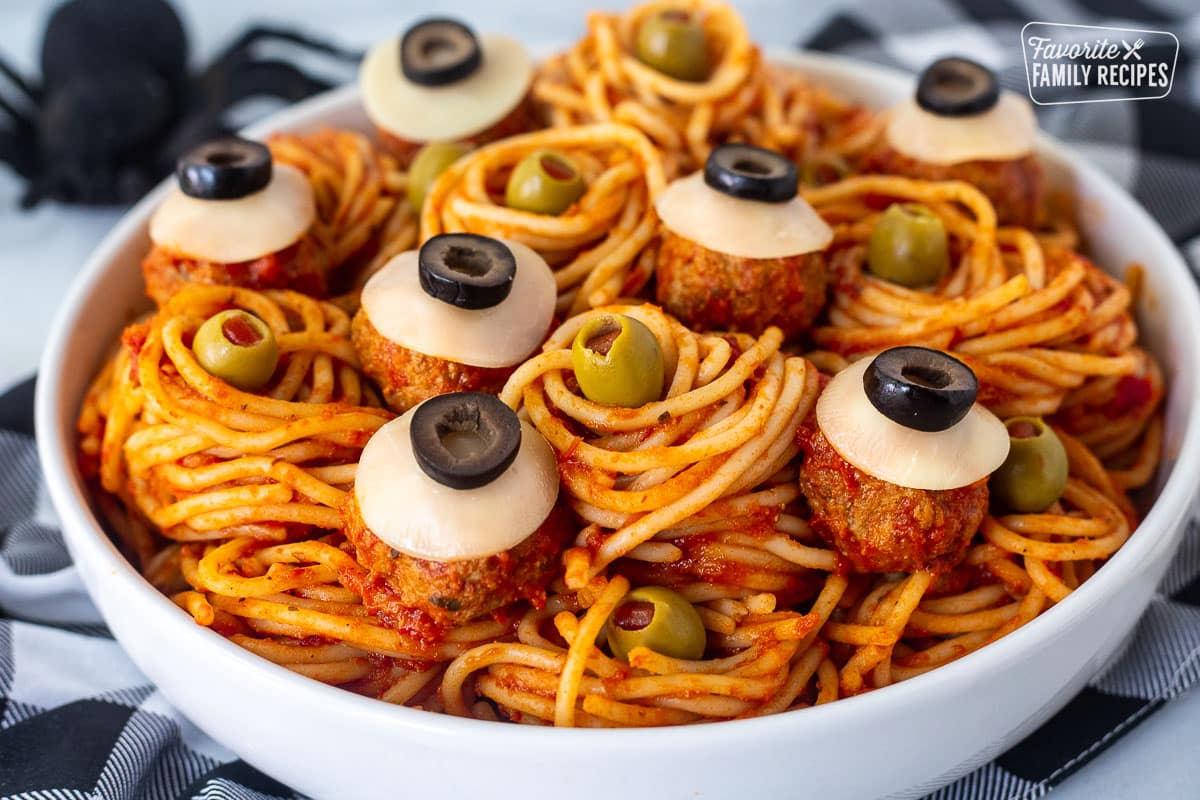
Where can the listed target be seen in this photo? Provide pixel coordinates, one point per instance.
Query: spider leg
(19, 152)
(237, 74)
(264, 33)
(18, 118)
(21, 119)
(267, 78)
(39, 188)
(23, 86)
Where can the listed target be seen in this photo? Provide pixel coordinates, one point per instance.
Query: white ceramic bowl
(903, 739)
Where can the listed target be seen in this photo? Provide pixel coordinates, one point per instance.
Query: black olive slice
(465, 440)
(438, 51)
(751, 173)
(224, 169)
(957, 87)
(919, 388)
(466, 270)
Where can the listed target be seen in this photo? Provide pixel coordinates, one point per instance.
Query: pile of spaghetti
(742, 99)
(598, 247)
(192, 459)
(363, 218)
(230, 501)
(1046, 331)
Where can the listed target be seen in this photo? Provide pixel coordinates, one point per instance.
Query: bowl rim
(87, 539)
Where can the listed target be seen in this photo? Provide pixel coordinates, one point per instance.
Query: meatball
(299, 267)
(407, 377)
(1016, 188)
(521, 119)
(880, 527)
(707, 290)
(454, 592)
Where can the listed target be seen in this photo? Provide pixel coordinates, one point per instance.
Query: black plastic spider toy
(117, 104)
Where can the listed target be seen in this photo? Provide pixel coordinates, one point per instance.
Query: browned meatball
(1016, 188)
(521, 119)
(454, 592)
(407, 377)
(707, 290)
(880, 527)
(299, 267)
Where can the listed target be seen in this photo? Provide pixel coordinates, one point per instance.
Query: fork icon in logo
(1132, 50)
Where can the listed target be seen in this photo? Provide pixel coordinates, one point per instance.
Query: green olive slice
(908, 246)
(674, 43)
(618, 361)
(430, 162)
(544, 182)
(659, 619)
(237, 347)
(1034, 475)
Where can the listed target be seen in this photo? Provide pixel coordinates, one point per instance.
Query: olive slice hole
(634, 615)
(437, 49)
(240, 331)
(1021, 428)
(224, 159)
(557, 169)
(955, 83)
(925, 376)
(604, 338)
(752, 167)
(463, 444)
(468, 261)
(462, 435)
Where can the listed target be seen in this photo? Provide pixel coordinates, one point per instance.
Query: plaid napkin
(78, 720)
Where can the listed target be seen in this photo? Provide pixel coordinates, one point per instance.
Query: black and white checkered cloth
(78, 720)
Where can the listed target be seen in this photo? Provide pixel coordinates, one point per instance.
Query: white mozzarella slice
(1005, 132)
(973, 448)
(692, 209)
(420, 517)
(455, 111)
(229, 231)
(500, 336)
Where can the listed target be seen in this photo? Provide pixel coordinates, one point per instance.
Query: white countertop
(41, 251)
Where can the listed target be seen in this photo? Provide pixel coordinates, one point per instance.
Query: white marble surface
(41, 251)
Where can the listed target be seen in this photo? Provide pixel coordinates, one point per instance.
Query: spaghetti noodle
(195, 459)
(598, 247)
(363, 216)
(743, 99)
(1035, 321)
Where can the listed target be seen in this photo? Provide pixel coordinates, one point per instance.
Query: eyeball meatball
(714, 291)
(740, 251)
(458, 315)
(234, 218)
(455, 507)
(879, 526)
(439, 82)
(897, 460)
(960, 126)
